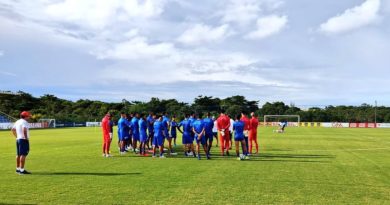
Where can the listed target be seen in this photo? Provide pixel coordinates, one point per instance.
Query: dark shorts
(202, 140)
(136, 136)
(209, 137)
(158, 140)
(22, 147)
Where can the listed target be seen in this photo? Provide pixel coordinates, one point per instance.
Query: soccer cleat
(162, 156)
(104, 155)
(17, 171)
(247, 157)
(208, 157)
(108, 155)
(239, 158)
(24, 172)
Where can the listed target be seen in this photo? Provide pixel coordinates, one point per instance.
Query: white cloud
(99, 14)
(200, 33)
(136, 48)
(359, 16)
(268, 26)
(244, 12)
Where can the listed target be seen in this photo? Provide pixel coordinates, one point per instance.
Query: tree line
(50, 106)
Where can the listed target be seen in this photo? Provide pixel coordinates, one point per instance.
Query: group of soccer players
(141, 134)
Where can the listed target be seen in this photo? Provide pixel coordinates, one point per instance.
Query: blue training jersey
(150, 121)
(135, 126)
(198, 126)
(165, 123)
(186, 126)
(158, 128)
(238, 127)
(142, 127)
(208, 125)
(123, 127)
(173, 128)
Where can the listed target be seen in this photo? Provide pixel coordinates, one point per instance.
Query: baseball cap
(25, 114)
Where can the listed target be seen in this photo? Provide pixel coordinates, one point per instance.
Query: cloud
(267, 26)
(244, 12)
(354, 18)
(99, 14)
(136, 48)
(200, 33)
(1, 53)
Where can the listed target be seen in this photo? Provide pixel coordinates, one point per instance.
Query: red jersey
(254, 123)
(247, 125)
(223, 122)
(106, 126)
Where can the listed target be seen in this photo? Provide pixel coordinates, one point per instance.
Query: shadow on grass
(83, 174)
(14, 204)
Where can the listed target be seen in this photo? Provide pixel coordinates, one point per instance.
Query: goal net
(274, 120)
(48, 123)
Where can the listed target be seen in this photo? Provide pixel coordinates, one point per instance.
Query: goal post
(284, 117)
(49, 123)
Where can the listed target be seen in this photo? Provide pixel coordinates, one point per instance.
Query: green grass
(301, 166)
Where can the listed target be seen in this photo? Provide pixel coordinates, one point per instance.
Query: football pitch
(301, 166)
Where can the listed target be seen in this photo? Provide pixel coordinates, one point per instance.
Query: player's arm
(14, 132)
(25, 132)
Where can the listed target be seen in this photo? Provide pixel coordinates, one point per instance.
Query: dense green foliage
(50, 106)
(301, 166)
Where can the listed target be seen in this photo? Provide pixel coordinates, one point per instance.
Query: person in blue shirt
(173, 132)
(143, 137)
(129, 134)
(150, 120)
(135, 131)
(187, 130)
(166, 125)
(123, 131)
(198, 127)
(192, 120)
(208, 125)
(238, 128)
(158, 140)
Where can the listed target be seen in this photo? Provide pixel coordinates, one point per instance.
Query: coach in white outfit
(21, 131)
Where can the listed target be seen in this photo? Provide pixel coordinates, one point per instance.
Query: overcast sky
(307, 52)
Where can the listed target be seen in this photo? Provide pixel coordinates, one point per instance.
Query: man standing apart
(223, 124)
(106, 128)
(21, 131)
(254, 123)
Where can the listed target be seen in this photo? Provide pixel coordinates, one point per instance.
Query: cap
(25, 114)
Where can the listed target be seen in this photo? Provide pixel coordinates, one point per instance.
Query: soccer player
(209, 125)
(187, 140)
(215, 130)
(158, 140)
(22, 134)
(191, 119)
(135, 131)
(231, 131)
(150, 121)
(238, 127)
(166, 127)
(254, 123)
(129, 133)
(247, 127)
(142, 134)
(123, 132)
(106, 128)
(173, 133)
(223, 124)
(198, 128)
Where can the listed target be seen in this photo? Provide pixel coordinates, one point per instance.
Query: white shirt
(215, 126)
(231, 125)
(19, 126)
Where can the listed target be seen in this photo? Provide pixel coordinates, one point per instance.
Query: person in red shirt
(247, 128)
(223, 124)
(106, 135)
(254, 123)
